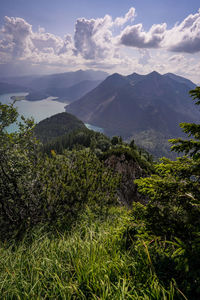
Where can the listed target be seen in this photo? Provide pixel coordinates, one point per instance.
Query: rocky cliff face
(129, 170)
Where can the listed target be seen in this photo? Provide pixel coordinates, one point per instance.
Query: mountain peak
(150, 106)
(154, 73)
(116, 75)
(134, 74)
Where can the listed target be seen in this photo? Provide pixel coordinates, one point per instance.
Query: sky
(124, 36)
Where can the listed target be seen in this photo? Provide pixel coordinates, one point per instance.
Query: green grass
(90, 262)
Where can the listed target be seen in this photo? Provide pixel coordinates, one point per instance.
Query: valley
(99, 150)
(146, 108)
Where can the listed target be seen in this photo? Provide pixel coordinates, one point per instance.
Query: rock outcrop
(129, 170)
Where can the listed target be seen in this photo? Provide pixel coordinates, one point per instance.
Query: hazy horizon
(48, 37)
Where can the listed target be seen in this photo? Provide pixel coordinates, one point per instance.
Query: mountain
(181, 80)
(22, 81)
(57, 125)
(67, 86)
(59, 80)
(136, 105)
(71, 93)
(77, 90)
(65, 80)
(11, 88)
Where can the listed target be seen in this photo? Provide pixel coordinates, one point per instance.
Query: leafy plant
(173, 212)
(52, 190)
(18, 176)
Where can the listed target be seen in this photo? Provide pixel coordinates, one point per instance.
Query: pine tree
(192, 145)
(173, 211)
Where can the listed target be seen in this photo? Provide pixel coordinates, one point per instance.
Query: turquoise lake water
(95, 128)
(39, 110)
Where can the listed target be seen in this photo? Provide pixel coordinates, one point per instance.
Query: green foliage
(8, 115)
(39, 189)
(96, 251)
(170, 260)
(56, 126)
(191, 146)
(138, 155)
(71, 181)
(18, 176)
(88, 263)
(116, 140)
(196, 95)
(174, 192)
(172, 215)
(132, 144)
(78, 139)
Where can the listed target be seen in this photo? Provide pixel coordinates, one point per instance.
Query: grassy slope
(89, 263)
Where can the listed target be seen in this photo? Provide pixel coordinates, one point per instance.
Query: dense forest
(84, 216)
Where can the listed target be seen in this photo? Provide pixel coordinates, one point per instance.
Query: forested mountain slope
(57, 125)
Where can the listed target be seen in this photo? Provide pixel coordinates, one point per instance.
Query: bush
(172, 216)
(53, 190)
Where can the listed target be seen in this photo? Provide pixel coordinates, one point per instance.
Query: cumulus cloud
(185, 37)
(100, 43)
(129, 16)
(135, 36)
(16, 37)
(93, 38)
(19, 42)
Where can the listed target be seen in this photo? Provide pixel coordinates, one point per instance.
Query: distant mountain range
(6, 88)
(147, 108)
(68, 86)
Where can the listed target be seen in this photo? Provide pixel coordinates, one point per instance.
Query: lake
(39, 110)
(95, 128)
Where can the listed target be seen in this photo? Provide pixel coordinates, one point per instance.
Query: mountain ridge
(61, 85)
(128, 105)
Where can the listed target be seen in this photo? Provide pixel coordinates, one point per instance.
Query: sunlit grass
(90, 262)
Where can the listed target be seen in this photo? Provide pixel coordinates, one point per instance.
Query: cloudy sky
(124, 36)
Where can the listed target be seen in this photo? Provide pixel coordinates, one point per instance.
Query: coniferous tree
(192, 145)
(173, 211)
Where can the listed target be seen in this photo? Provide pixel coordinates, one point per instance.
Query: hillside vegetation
(64, 233)
(56, 126)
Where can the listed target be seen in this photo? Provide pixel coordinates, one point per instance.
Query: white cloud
(93, 38)
(19, 42)
(104, 43)
(185, 37)
(16, 37)
(129, 16)
(135, 36)
(144, 57)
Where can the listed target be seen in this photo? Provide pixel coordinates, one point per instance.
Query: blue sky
(47, 36)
